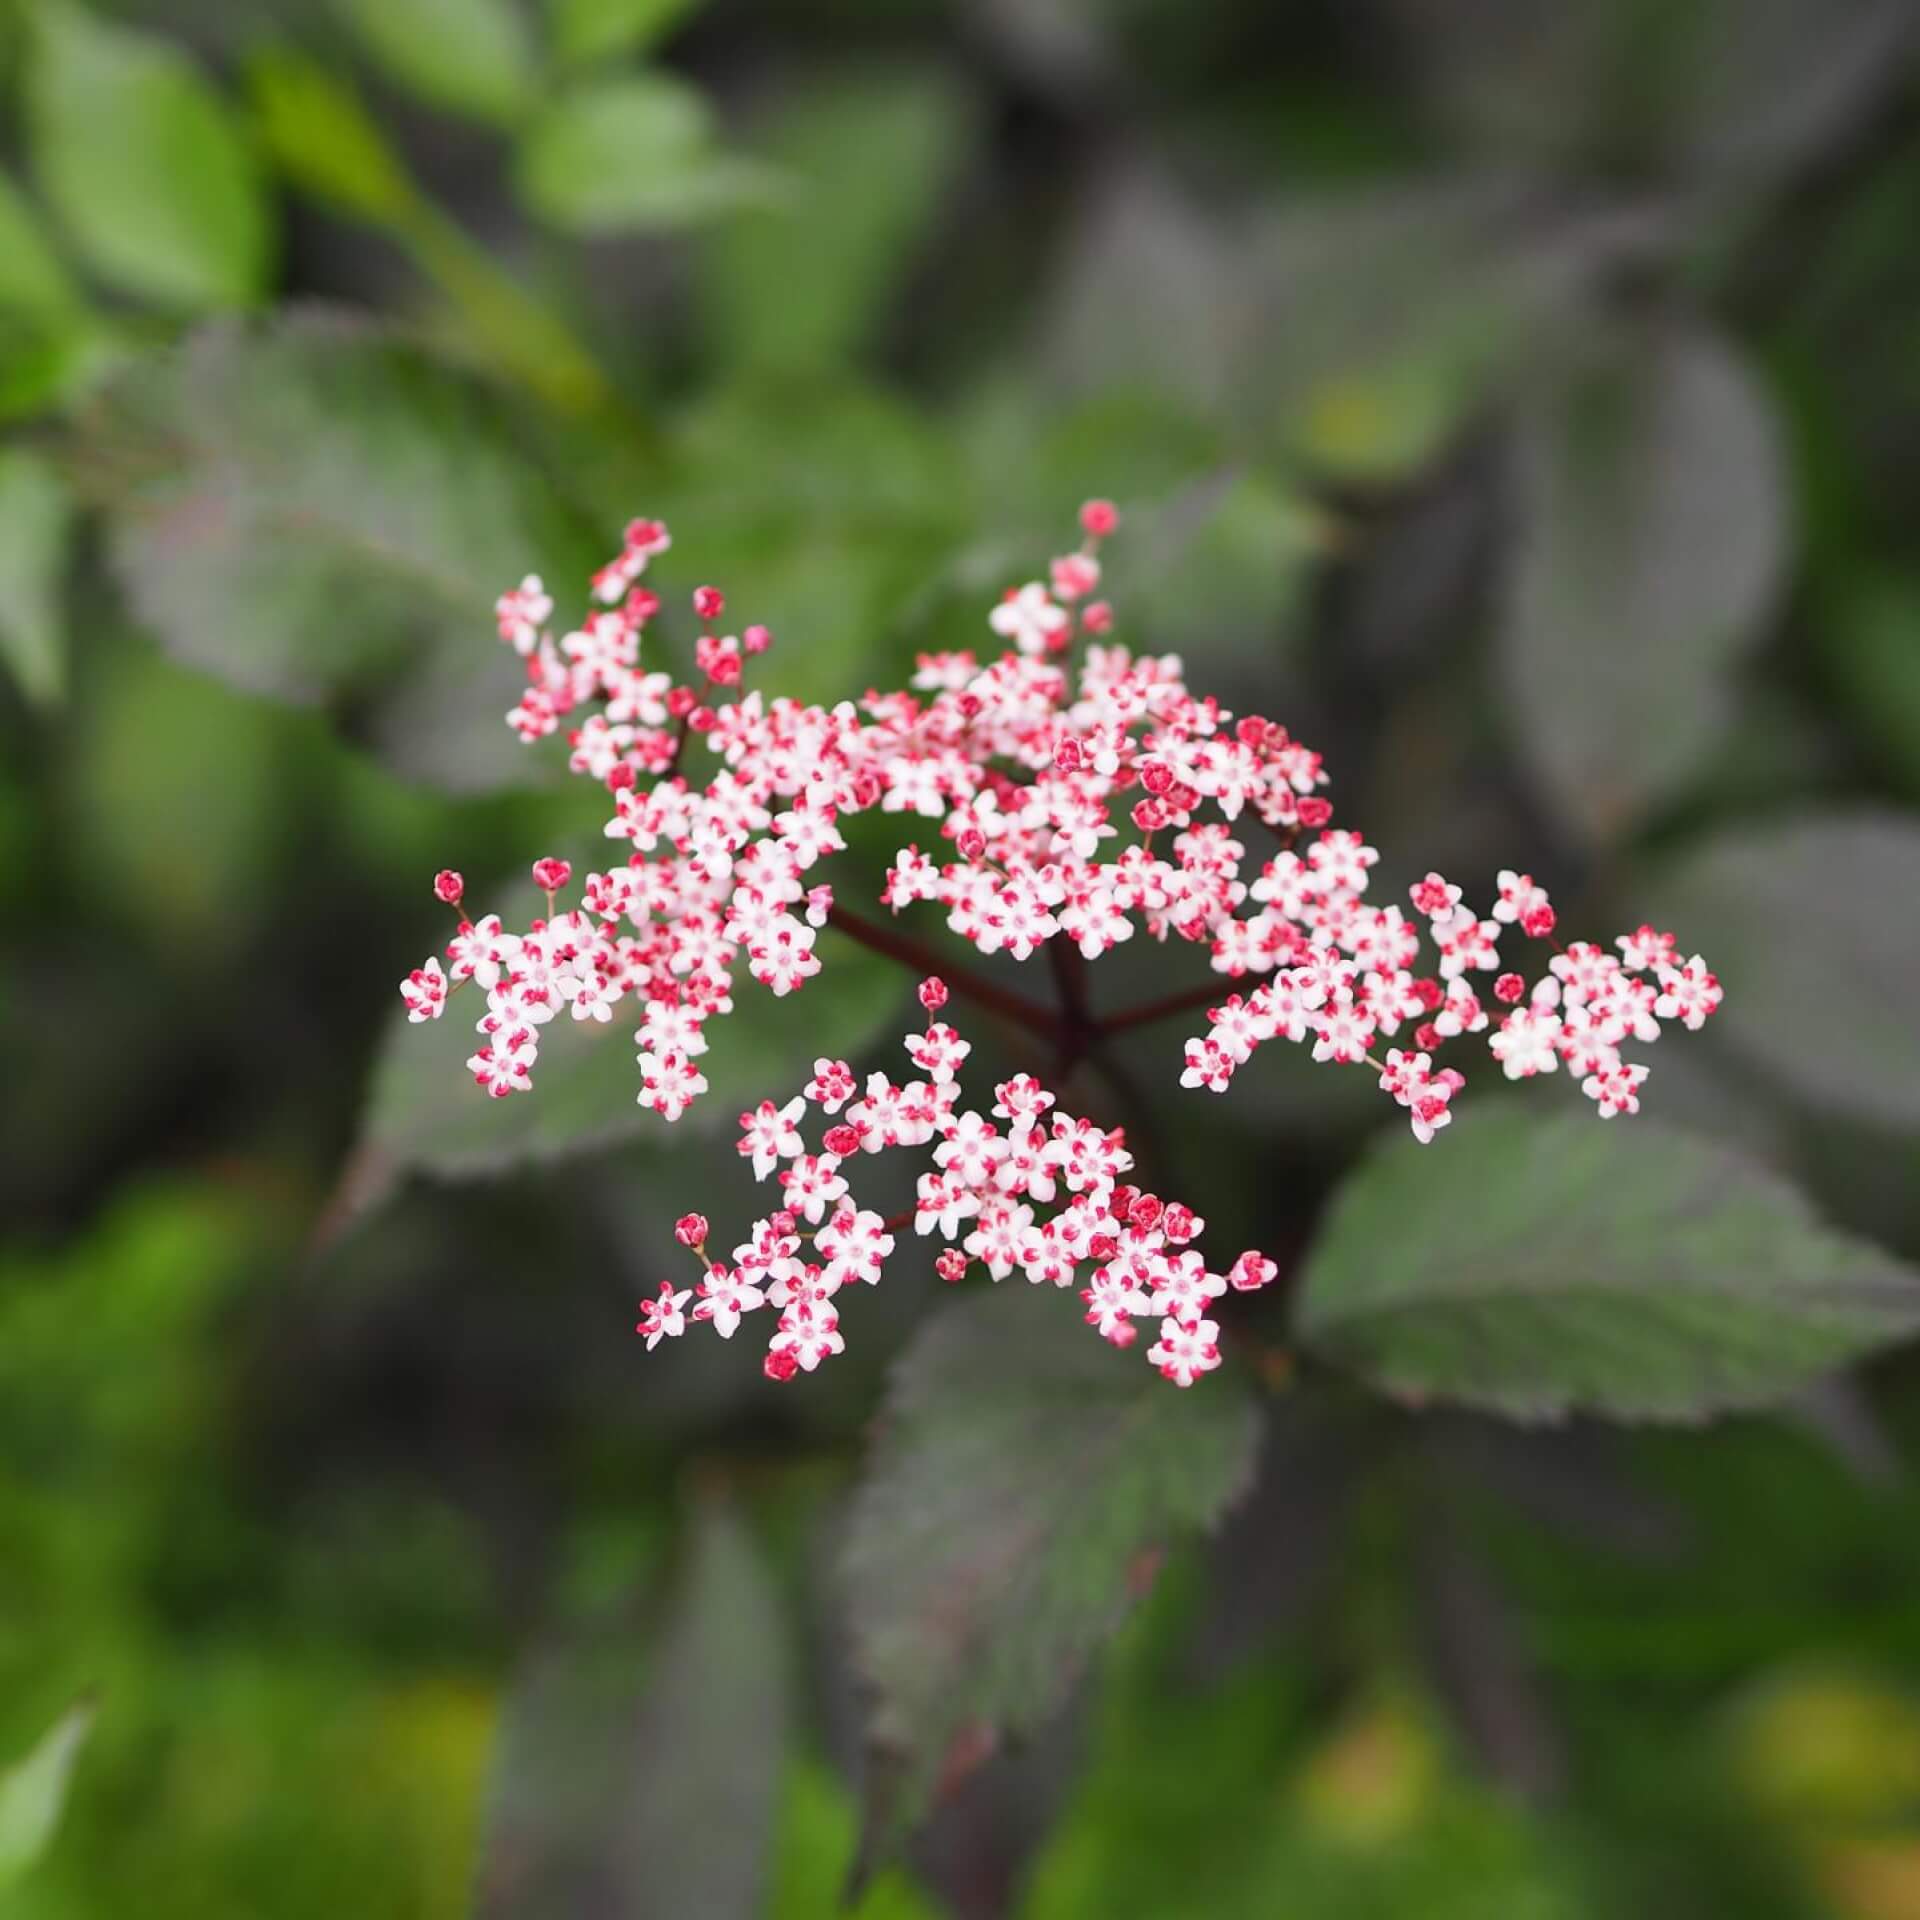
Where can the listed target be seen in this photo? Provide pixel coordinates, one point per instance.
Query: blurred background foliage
(1522, 402)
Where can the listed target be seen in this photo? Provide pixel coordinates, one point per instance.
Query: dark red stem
(1150, 1010)
(924, 960)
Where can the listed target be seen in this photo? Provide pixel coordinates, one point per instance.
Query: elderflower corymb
(1063, 794)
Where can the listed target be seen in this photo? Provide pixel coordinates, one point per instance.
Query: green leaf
(586, 30)
(471, 57)
(825, 530)
(1024, 1476)
(808, 282)
(33, 1791)
(1812, 925)
(611, 1799)
(33, 280)
(636, 152)
(323, 139)
(1542, 1267)
(1869, 642)
(1654, 539)
(141, 160)
(36, 527)
(321, 511)
(425, 1114)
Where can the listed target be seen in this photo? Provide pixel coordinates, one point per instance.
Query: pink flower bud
(1178, 1223)
(550, 875)
(1537, 923)
(1099, 518)
(951, 1265)
(1508, 989)
(1251, 1272)
(756, 639)
(1315, 812)
(691, 1229)
(972, 844)
(448, 886)
(933, 993)
(781, 1365)
(841, 1140)
(709, 602)
(1096, 617)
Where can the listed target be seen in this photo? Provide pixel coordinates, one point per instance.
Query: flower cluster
(1071, 794)
(1024, 1188)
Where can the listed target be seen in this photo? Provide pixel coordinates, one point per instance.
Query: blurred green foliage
(1519, 402)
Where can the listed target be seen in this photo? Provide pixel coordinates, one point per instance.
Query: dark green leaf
(1537, 1267)
(472, 57)
(1654, 537)
(825, 531)
(633, 152)
(585, 30)
(1870, 644)
(807, 281)
(1813, 926)
(321, 511)
(33, 1791)
(425, 1113)
(1699, 89)
(1024, 1475)
(36, 524)
(142, 161)
(649, 1795)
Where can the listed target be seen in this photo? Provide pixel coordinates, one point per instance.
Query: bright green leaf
(585, 30)
(425, 1114)
(36, 525)
(33, 1791)
(32, 279)
(1024, 1477)
(808, 281)
(1813, 925)
(1655, 534)
(635, 152)
(319, 132)
(143, 163)
(623, 1790)
(1540, 1266)
(319, 511)
(472, 57)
